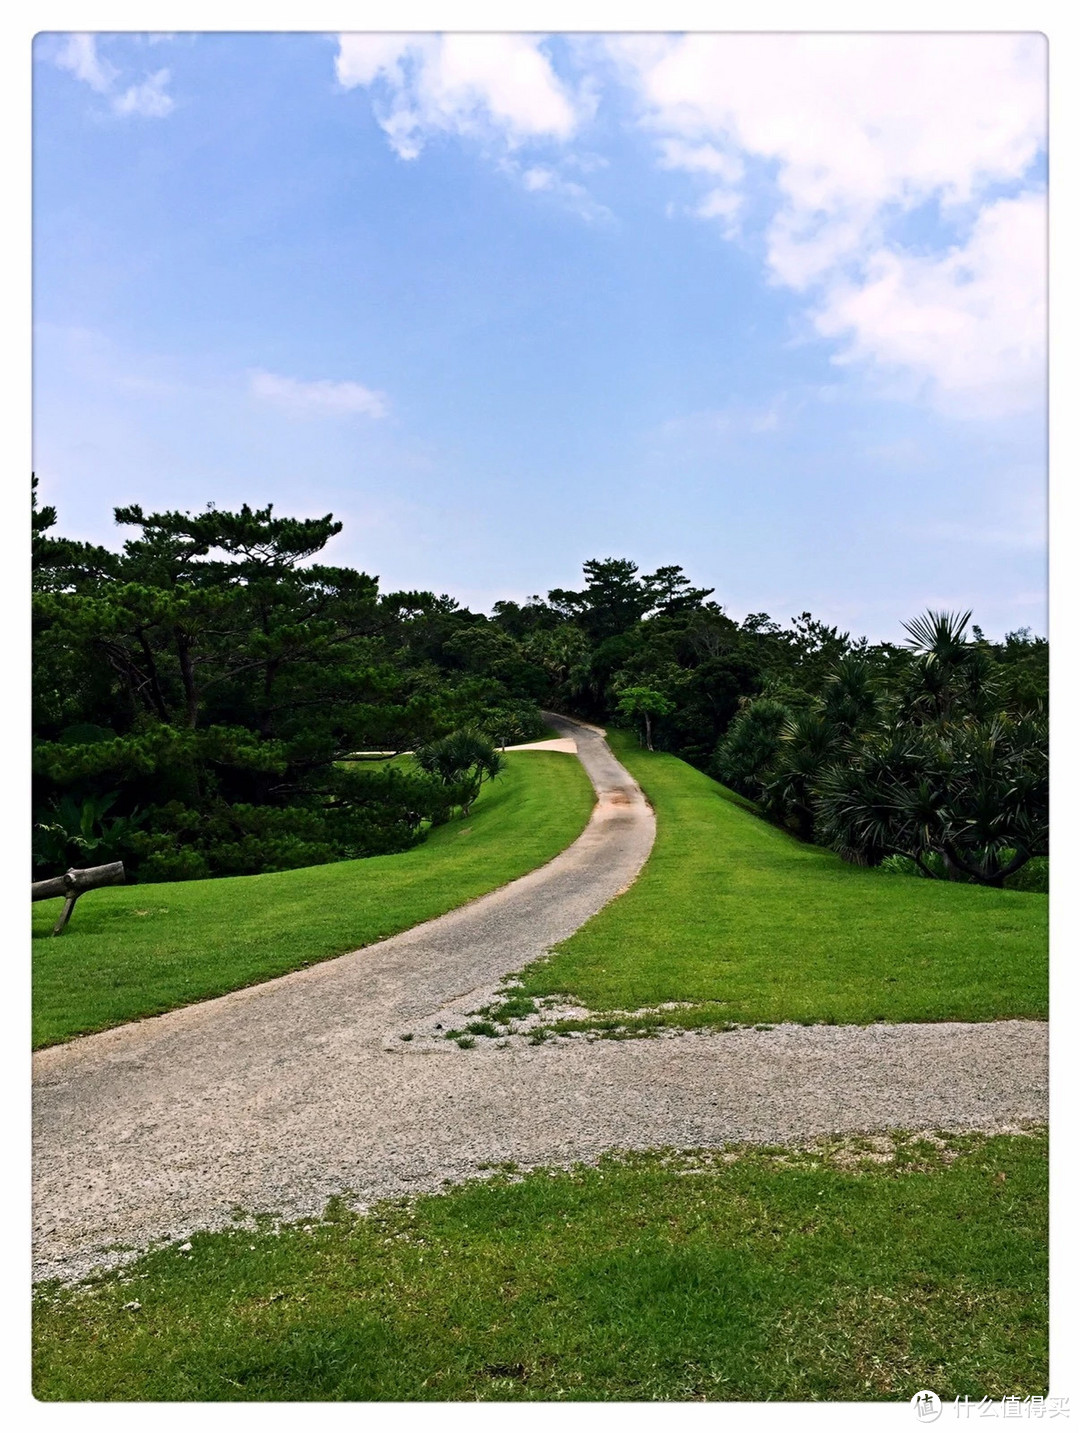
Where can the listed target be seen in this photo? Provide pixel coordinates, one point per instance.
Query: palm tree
(975, 794)
(808, 740)
(948, 669)
(745, 753)
(463, 761)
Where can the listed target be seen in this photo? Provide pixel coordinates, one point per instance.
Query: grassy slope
(754, 926)
(140, 950)
(744, 1275)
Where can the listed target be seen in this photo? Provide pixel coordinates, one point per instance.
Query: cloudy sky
(768, 306)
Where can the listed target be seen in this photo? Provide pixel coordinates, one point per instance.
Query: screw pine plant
(948, 777)
(950, 674)
(750, 746)
(974, 794)
(811, 741)
(928, 766)
(462, 761)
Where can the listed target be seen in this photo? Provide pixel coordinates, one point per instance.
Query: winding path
(276, 1097)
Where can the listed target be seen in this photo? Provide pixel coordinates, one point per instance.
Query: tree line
(200, 696)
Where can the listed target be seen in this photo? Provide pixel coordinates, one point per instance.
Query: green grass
(140, 950)
(730, 1275)
(749, 925)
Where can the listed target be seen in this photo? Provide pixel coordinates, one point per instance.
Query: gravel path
(274, 1098)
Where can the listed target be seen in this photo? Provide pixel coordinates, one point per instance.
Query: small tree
(814, 740)
(644, 703)
(950, 672)
(750, 745)
(462, 761)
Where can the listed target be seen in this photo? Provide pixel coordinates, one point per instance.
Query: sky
(768, 306)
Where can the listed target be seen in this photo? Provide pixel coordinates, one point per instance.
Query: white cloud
(890, 174)
(701, 159)
(542, 179)
(723, 204)
(79, 54)
(538, 177)
(323, 397)
(148, 99)
(971, 320)
(735, 420)
(486, 85)
(848, 135)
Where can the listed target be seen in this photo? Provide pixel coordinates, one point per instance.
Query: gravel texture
(274, 1098)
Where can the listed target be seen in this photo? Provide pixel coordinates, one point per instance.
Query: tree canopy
(201, 695)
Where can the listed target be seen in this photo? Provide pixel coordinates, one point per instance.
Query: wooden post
(65, 914)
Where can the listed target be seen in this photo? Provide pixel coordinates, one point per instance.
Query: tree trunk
(648, 731)
(156, 696)
(187, 674)
(986, 874)
(953, 872)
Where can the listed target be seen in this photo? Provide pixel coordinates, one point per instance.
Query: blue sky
(771, 307)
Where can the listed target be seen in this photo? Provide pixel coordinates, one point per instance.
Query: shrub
(366, 813)
(461, 761)
(511, 723)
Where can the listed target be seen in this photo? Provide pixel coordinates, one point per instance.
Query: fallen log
(74, 883)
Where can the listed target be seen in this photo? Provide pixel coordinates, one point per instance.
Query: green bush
(512, 722)
(70, 832)
(905, 866)
(365, 813)
(159, 859)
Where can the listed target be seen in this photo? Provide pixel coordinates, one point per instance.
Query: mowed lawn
(753, 926)
(852, 1270)
(141, 950)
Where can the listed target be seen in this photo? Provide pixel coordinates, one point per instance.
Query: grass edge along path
(134, 951)
(851, 1269)
(739, 923)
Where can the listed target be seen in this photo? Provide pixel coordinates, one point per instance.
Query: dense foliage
(197, 693)
(939, 760)
(195, 696)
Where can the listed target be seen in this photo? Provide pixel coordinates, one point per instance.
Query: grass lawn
(751, 926)
(140, 950)
(837, 1272)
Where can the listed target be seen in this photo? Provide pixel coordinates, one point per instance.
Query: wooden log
(78, 881)
(74, 883)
